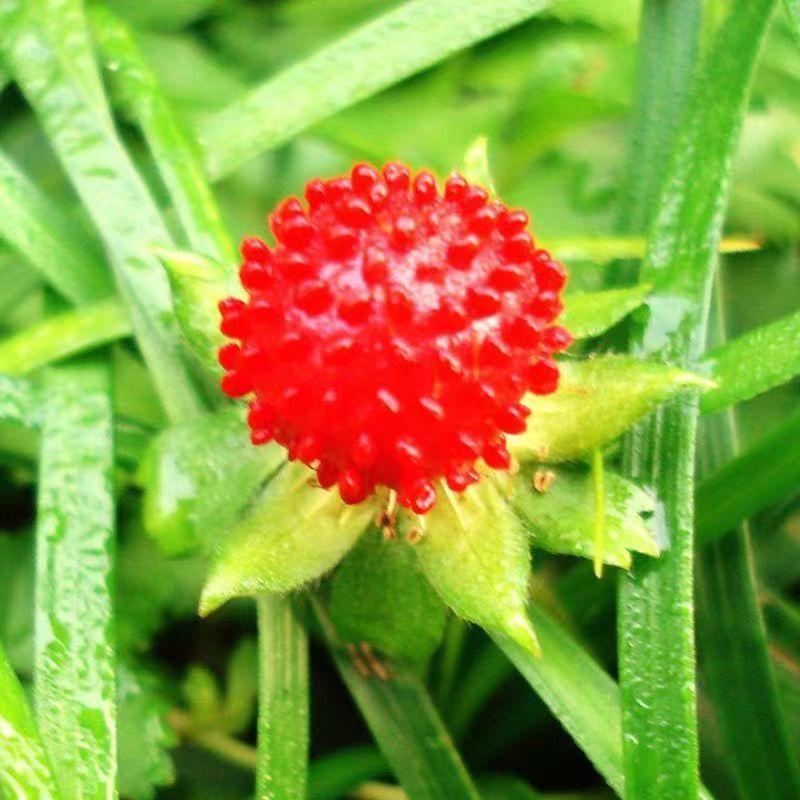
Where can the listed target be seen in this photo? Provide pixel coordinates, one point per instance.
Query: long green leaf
(58, 249)
(24, 768)
(405, 723)
(283, 701)
(656, 630)
(136, 87)
(20, 402)
(75, 663)
(754, 363)
(591, 313)
(762, 475)
(734, 660)
(398, 44)
(63, 335)
(47, 46)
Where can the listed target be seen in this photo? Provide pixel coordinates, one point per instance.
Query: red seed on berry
(391, 334)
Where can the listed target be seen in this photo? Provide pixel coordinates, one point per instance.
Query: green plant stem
(62, 335)
(398, 44)
(656, 630)
(283, 716)
(75, 659)
(404, 722)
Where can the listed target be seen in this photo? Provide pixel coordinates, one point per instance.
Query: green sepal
(475, 553)
(562, 518)
(198, 283)
(592, 313)
(294, 533)
(198, 478)
(380, 596)
(597, 400)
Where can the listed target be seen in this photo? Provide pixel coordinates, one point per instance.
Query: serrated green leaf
(199, 478)
(597, 400)
(364, 599)
(398, 44)
(62, 335)
(591, 313)
(475, 553)
(24, 768)
(145, 736)
(75, 658)
(562, 518)
(293, 534)
(198, 284)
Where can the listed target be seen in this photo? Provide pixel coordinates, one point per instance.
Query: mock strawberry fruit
(392, 332)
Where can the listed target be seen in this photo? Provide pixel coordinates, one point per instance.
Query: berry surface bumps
(391, 333)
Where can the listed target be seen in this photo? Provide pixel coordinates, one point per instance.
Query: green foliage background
(128, 128)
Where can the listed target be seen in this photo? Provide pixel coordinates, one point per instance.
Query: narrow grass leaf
(45, 236)
(47, 46)
(293, 534)
(331, 776)
(762, 475)
(75, 662)
(136, 88)
(597, 401)
(24, 769)
(591, 313)
(20, 402)
(404, 722)
(610, 248)
(398, 44)
(63, 335)
(656, 646)
(754, 363)
(283, 715)
(734, 659)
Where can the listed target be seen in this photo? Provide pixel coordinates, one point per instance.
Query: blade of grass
(75, 662)
(582, 696)
(46, 44)
(333, 775)
(52, 243)
(668, 48)
(656, 625)
(609, 248)
(63, 335)
(135, 86)
(404, 722)
(398, 44)
(282, 769)
(20, 402)
(735, 664)
(766, 473)
(754, 363)
(24, 769)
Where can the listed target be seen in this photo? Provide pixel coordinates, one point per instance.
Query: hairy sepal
(293, 534)
(597, 400)
(475, 553)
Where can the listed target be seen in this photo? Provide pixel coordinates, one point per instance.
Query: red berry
(391, 334)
